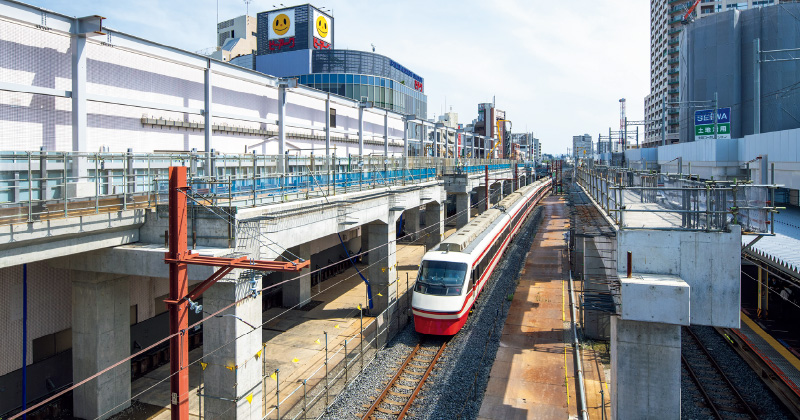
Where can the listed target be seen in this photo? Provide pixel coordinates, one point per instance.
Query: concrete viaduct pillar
(462, 209)
(412, 219)
(101, 336)
(382, 269)
(226, 390)
(481, 197)
(434, 224)
(297, 292)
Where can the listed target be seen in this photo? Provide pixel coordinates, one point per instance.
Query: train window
(442, 278)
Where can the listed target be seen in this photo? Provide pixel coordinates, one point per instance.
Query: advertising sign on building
(321, 30)
(704, 124)
(281, 24)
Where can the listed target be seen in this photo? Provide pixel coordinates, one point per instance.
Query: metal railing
(647, 200)
(45, 185)
(308, 396)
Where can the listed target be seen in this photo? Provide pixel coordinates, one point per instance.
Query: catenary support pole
(178, 288)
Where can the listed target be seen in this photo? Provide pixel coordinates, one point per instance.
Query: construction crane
(498, 136)
(685, 20)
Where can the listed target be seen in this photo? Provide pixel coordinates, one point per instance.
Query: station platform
(294, 341)
(769, 344)
(533, 374)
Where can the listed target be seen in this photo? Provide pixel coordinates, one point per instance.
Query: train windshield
(442, 278)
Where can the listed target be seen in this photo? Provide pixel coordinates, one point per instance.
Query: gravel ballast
(456, 385)
(757, 395)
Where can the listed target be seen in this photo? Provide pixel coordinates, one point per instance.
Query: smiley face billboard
(321, 29)
(281, 24)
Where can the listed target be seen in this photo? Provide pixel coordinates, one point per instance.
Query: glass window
(371, 81)
(357, 79)
(326, 78)
(391, 83)
(340, 78)
(443, 278)
(383, 82)
(317, 78)
(349, 79)
(348, 91)
(341, 89)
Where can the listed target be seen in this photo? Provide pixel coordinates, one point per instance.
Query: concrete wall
(646, 379)
(708, 262)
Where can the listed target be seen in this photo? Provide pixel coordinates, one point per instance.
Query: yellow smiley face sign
(281, 24)
(322, 27)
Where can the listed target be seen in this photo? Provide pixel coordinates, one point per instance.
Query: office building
(665, 83)
(582, 147)
(236, 38)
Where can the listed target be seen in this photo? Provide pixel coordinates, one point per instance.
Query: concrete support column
(434, 224)
(411, 218)
(480, 199)
(645, 370)
(226, 390)
(462, 209)
(100, 337)
(298, 292)
(382, 270)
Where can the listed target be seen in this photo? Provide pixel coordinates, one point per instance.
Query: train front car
(443, 294)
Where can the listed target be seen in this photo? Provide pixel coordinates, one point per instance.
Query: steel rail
(400, 371)
(421, 381)
(391, 383)
(748, 410)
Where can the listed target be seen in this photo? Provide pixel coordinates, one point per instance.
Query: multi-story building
(299, 42)
(235, 38)
(666, 24)
(729, 73)
(582, 147)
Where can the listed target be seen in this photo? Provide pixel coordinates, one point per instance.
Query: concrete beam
(146, 260)
(69, 245)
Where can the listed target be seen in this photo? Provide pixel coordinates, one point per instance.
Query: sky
(556, 67)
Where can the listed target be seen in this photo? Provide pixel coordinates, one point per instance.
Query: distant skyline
(557, 68)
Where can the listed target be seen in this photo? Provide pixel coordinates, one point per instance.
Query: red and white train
(452, 276)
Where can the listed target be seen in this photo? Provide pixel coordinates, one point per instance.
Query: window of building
(333, 117)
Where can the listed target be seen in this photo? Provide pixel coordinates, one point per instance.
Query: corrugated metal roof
(784, 247)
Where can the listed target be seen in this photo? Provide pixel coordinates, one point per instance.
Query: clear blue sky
(558, 68)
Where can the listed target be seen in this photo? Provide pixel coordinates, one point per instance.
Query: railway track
(770, 374)
(721, 396)
(402, 389)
